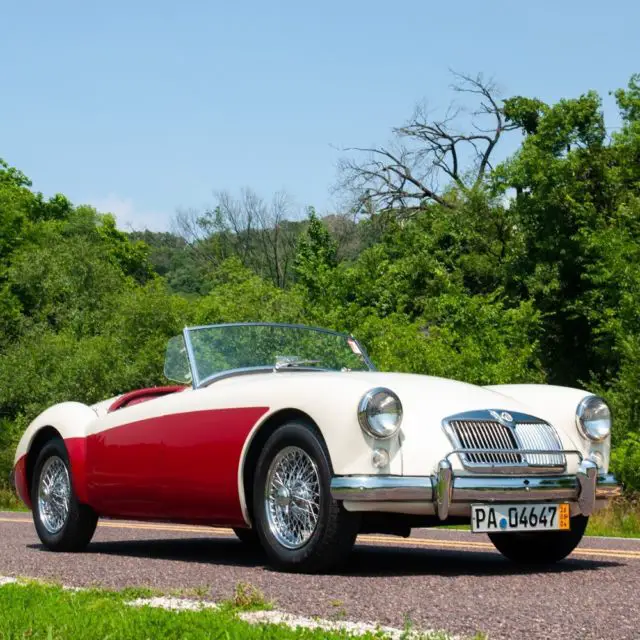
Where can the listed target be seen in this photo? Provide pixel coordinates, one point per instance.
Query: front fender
(70, 420)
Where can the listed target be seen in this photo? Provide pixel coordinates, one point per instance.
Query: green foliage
(315, 257)
(629, 100)
(132, 257)
(239, 295)
(474, 339)
(621, 518)
(172, 258)
(8, 436)
(572, 213)
(625, 460)
(524, 112)
(15, 200)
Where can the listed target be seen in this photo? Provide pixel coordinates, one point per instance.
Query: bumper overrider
(445, 489)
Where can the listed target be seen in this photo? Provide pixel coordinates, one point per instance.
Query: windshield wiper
(292, 364)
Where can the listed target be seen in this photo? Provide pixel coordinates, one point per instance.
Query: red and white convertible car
(289, 435)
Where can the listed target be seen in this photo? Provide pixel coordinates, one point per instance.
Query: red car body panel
(180, 466)
(21, 481)
(77, 451)
(142, 395)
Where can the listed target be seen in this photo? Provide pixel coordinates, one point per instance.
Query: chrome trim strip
(287, 325)
(485, 414)
(382, 488)
(490, 489)
(587, 479)
(244, 371)
(195, 380)
(444, 489)
(468, 489)
(519, 468)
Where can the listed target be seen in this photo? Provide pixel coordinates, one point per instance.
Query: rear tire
(540, 548)
(62, 523)
(300, 526)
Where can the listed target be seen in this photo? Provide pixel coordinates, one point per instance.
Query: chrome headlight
(380, 413)
(593, 418)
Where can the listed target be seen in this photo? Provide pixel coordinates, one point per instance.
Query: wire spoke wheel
(292, 497)
(54, 495)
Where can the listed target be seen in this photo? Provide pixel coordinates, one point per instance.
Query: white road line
(353, 628)
(637, 540)
(172, 604)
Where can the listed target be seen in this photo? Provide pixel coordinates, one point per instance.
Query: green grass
(620, 519)
(38, 611)
(9, 501)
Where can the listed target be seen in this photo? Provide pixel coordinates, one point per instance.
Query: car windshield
(216, 349)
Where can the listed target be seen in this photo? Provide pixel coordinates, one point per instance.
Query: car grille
(497, 445)
(540, 436)
(481, 434)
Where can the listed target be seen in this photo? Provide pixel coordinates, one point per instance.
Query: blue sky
(144, 107)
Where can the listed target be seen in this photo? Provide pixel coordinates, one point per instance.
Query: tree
(131, 256)
(428, 156)
(263, 235)
(172, 258)
(568, 196)
(315, 258)
(15, 203)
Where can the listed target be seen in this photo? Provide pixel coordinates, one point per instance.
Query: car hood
(420, 395)
(440, 397)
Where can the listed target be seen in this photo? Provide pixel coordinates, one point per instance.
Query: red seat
(142, 395)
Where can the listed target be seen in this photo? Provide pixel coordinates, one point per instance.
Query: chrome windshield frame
(198, 382)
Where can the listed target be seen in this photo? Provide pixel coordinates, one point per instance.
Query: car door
(174, 457)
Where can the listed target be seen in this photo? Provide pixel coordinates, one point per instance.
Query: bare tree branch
(429, 154)
(261, 234)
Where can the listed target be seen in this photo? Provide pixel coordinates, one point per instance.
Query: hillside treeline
(523, 270)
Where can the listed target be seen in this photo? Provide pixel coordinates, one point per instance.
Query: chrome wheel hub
(283, 497)
(292, 497)
(54, 495)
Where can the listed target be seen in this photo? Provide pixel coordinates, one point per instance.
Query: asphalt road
(437, 579)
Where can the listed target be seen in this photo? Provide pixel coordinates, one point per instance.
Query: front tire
(300, 526)
(62, 523)
(540, 548)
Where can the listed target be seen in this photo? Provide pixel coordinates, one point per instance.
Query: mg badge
(503, 417)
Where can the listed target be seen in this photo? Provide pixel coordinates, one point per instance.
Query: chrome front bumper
(445, 489)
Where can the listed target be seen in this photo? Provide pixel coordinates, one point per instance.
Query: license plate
(504, 518)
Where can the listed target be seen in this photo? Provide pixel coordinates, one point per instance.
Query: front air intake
(497, 440)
